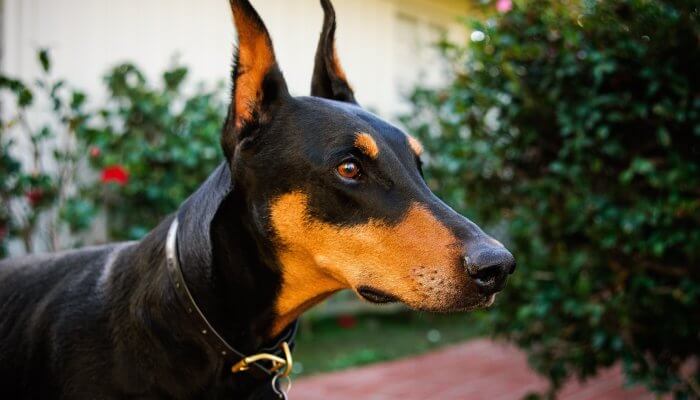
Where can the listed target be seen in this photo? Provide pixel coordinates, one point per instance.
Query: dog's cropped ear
(329, 80)
(258, 83)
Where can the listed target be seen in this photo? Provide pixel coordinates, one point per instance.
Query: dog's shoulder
(36, 276)
(37, 264)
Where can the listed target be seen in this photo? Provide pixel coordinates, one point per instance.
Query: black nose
(490, 267)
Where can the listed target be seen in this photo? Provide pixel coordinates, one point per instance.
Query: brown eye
(349, 170)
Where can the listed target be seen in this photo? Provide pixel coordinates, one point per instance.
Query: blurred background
(570, 128)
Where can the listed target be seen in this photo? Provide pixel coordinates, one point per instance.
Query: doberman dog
(315, 195)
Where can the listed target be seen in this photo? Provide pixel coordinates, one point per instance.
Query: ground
(476, 370)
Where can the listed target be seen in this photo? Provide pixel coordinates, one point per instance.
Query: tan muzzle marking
(319, 258)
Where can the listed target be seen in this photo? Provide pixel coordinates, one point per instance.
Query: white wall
(375, 39)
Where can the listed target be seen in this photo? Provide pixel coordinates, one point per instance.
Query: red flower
(35, 196)
(95, 151)
(116, 174)
(347, 321)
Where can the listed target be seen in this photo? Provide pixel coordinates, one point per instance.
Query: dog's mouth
(376, 296)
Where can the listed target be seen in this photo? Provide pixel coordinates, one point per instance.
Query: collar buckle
(281, 366)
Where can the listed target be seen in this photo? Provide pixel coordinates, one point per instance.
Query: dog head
(339, 192)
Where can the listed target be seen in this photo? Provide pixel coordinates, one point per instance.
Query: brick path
(475, 370)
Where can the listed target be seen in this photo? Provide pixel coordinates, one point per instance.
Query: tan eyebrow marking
(366, 144)
(416, 146)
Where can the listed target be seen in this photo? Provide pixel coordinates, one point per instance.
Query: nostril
(489, 268)
(490, 279)
(489, 273)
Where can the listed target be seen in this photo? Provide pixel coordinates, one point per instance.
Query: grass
(334, 344)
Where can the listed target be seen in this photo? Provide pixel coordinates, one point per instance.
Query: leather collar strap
(206, 329)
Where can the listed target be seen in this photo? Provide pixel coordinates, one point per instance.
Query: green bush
(576, 125)
(135, 157)
(36, 193)
(153, 146)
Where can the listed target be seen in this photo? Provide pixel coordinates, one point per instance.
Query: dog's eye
(349, 170)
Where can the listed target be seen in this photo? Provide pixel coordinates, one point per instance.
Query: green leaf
(45, 60)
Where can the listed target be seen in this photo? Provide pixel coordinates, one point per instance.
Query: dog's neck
(228, 268)
(229, 277)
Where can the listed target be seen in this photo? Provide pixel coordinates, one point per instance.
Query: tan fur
(256, 58)
(367, 145)
(416, 146)
(337, 67)
(416, 260)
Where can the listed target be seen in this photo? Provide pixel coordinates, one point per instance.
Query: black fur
(325, 82)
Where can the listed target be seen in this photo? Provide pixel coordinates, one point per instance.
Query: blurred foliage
(36, 193)
(139, 155)
(154, 146)
(576, 126)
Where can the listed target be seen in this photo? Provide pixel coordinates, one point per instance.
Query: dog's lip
(375, 295)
